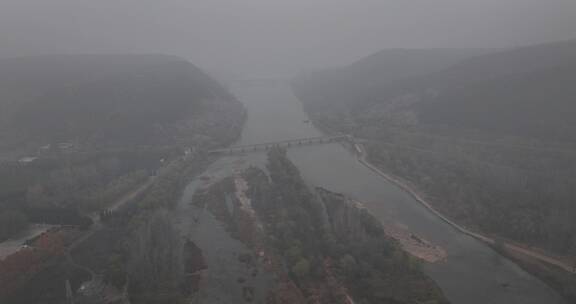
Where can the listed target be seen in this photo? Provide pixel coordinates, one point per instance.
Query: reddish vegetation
(328, 290)
(286, 293)
(194, 264)
(243, 223)
(14, 267)
(196, 261)
(246, 226)
(17, 268)
(335, 288)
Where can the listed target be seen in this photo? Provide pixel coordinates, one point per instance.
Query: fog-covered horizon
(262, 36)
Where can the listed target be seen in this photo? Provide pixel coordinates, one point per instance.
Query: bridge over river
(283, 144)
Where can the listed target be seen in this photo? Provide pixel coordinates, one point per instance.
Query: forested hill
(391, 64)
(77, 132)
(83, 137)
(490, 140)
(378, 75)
(516, 61)
(539, 104)
(525, 91)
(101, 98)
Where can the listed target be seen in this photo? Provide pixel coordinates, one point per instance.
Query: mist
(288, 151)
(263, 36)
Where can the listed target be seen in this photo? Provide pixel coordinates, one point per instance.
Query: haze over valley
(287, 152)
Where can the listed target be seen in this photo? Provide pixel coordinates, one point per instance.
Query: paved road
(134, 193)
(12, 245)
(510, 246)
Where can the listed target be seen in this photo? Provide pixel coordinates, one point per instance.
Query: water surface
(473, 273)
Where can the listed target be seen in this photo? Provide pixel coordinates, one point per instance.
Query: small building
(27, 160)
(67, 147)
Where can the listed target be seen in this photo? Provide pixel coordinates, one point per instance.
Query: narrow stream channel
(472, 274)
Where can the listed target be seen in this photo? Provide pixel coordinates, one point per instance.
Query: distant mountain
(100, 97)
(537, 104)
(520, 60)
(378, 75)
(394, 64)
(526, 91)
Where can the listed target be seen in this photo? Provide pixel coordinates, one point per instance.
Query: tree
(301, 268)
(155, 262)
(348, 263)
(11, 222)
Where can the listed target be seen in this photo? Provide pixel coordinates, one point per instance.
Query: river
(472, 274)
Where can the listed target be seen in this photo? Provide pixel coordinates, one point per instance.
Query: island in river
(319, 246)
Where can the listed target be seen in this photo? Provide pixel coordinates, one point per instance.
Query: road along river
(472, 273)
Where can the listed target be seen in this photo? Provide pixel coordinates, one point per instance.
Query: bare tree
(155, 265)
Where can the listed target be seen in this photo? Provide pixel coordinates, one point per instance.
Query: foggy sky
(273, 35)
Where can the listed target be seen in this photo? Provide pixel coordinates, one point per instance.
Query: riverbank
(415, 245)
(555, 277)
(517, 248)
(555, 272)
(362, 158)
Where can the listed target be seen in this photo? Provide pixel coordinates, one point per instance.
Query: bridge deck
(284, 143)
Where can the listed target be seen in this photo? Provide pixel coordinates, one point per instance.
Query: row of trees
(310, 226)
(526, 199)
(11, 222)
(155, 255)
(155, 263)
